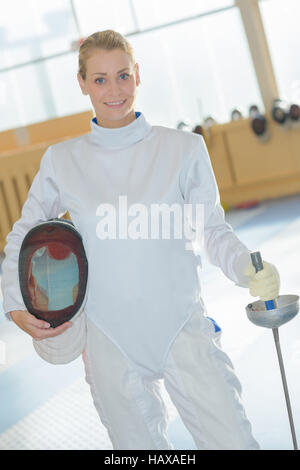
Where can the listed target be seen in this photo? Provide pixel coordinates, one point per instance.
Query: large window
(98, 15)
(188, 71)
(156, 12)
(281, 21)
(193, 56)
(31, 29)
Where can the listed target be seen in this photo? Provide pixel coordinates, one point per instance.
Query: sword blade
(285, 387)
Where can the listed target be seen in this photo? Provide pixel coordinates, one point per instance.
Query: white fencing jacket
(141, 291)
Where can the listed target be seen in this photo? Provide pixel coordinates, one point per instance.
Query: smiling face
(111, 82)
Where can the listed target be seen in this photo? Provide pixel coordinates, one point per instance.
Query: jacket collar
(120, 137)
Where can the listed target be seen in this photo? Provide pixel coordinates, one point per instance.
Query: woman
(145, 319)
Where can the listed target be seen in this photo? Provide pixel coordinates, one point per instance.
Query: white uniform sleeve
(43, 202)
(223, 247)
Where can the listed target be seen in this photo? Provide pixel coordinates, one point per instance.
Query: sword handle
(258, 264)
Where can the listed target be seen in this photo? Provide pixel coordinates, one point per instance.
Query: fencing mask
(53, 275)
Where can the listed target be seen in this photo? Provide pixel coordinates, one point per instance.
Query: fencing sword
(272, 314)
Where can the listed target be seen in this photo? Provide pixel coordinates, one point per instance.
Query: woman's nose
(114, 89)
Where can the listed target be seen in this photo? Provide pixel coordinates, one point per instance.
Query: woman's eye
(123, 76)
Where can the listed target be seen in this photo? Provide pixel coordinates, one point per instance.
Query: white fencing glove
(264, 284)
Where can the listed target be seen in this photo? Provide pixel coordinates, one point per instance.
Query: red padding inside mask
(58, 250)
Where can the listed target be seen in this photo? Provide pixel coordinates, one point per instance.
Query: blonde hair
(107, 40)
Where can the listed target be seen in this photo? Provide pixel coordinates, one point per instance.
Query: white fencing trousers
(199, 378)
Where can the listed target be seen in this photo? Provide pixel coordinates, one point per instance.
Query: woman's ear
(82, 84)
(137, 74)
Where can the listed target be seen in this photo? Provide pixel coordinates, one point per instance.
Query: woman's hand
(264, 284)
(38, 329)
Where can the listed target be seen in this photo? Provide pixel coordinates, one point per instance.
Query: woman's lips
(115, 104)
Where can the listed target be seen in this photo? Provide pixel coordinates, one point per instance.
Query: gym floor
(50, 407)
